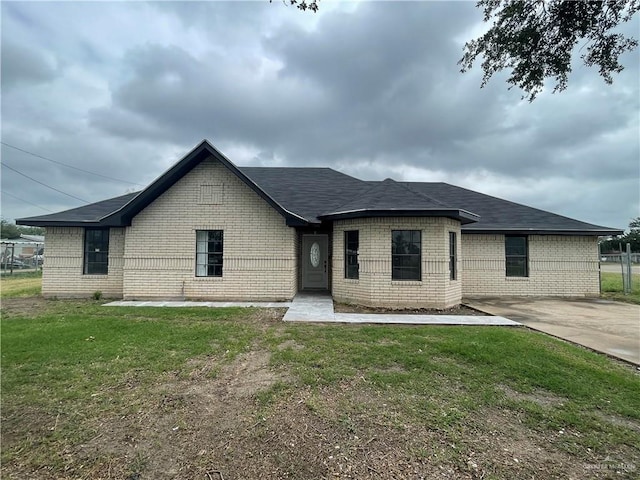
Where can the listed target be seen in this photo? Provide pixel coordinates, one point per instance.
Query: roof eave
(53, 223)
(463, 216)
(599, 232)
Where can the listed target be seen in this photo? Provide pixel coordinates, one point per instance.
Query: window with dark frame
(406, 258)
(516, 255)
(209, 246)
(351, 246)
(96, 251)
(453, 272)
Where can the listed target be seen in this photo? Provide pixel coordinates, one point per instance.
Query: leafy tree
(11, 230)
(632, 236)
(536, 39)
(8, 230)
(302, 4)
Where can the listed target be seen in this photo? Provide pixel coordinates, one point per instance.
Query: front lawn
(612, 287)
(143, 393)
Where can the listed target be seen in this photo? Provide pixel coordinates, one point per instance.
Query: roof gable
(201, 152)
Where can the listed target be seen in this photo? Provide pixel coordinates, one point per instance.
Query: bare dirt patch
(188, 425)
(27, 306)
(247, 375)
(203, 428)
(266, 318)
(497, 444)
(458, 310)
(345, 432)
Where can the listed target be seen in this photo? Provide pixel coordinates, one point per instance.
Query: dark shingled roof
(501, 215)
(306, 196)
(387, 195)
(390, 198)
(91, 213)
(306, 191)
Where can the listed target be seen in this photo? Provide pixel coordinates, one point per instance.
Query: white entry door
(315, 262)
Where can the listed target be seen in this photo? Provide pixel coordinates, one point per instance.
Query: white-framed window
(209, 249)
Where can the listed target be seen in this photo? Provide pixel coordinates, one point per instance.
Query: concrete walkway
(310, 307)
(135, 303)
(307, 307)
(609, 327)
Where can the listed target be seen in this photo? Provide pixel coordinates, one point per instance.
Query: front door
(315, 262)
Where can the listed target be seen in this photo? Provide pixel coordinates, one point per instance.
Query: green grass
(80, 348)
(477, 360)
(71, 361)
(21, 284)
(67, 363)
(446, 378)
(612, 287)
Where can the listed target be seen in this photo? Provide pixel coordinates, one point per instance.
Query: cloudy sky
(372, 89)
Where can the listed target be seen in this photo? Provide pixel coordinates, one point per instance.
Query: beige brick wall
(375, 286)
(260, 260)
(62, 273)
(558, 266)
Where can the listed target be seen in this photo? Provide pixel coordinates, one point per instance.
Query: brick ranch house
(207, 229)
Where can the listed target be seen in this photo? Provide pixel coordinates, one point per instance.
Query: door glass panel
(314, 254)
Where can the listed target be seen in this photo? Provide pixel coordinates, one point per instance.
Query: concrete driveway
(609, 327)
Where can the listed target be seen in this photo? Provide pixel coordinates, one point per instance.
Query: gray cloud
(24, 66)
(375, 46)
(342, 82)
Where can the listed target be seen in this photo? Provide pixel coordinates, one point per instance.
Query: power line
(67, 165)
(26, 201)
(44, 184)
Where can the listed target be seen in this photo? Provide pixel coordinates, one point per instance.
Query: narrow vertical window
(96, 251)
(209, 246)
(351, 246)
(406, 257)
(516, 255)
(453, 272)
